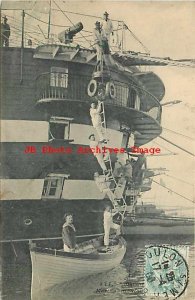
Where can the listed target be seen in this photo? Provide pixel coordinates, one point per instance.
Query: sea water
(126, 281)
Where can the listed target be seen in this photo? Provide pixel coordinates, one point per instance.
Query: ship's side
(45, 111)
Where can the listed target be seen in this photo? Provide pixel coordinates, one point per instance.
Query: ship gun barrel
(67, 35)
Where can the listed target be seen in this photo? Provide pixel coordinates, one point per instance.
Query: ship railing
(65, 86)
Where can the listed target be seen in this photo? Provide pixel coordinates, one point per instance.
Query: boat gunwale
(85, 256)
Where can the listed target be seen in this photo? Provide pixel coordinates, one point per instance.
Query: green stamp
(165, 273)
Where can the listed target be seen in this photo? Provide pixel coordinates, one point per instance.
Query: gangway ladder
(121, 209)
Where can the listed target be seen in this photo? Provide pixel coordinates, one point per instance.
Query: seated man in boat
(108, 224)
(68, 234)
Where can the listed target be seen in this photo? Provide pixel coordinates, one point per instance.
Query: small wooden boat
(51, 267)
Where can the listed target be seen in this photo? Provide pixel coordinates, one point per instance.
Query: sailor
(98, 41)
(5, 33)
(107, 27)
(138, 167)
(97, 152)
(104, 185)
(68, 233)
(118, 169)
(95, 113)
(128, 170)
(108, 224)
(131, 141)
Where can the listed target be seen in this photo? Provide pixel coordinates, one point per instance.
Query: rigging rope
(85, 15)
(176, 145)
(56, 25)
(179, 179)
(136, 38)
(173, 191)
(188, 137)
(171, 152)
(72, 22)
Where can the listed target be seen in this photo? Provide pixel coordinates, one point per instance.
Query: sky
(167, 29)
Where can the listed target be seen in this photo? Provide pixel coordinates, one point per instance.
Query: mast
(49, 20)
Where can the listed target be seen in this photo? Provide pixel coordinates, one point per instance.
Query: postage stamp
(166, 271)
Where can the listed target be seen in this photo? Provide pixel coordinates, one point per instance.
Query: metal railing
(64, 86)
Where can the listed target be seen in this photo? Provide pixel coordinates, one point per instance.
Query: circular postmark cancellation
(165, 273)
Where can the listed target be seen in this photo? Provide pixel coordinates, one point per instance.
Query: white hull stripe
(38, 131)
(31, 189)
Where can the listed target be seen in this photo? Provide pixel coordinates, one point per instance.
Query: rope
(176, 146)
(19, 21)
(188, 137)
(179, 179)
(136, 38)
(71, 22)
(174, 192)
(163, 147)
(56, 25)
(85, 15)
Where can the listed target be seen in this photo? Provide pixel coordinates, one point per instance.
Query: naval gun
(66, 36)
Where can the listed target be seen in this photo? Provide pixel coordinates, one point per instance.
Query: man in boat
(97, 36)
(108, 224)
(97, 120)
(5, 33)
(97, 152)
(68, 234)
(107, 27)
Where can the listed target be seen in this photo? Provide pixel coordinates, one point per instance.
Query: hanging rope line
(188, 137)
(171, 152)
(85, 15)
(181, 148)
(178, 179)
(173, 191)
(55, 25)
(72, 23)
(138, 40)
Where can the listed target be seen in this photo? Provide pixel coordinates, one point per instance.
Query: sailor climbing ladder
(119, 203)
(115, 190)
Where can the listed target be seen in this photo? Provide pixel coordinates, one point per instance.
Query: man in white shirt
(97, 120)
(108, 224)
(107, 27)
(97, 152)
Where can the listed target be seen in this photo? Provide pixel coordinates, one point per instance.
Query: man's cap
(107, 14)
(97, 23)
(91, 135)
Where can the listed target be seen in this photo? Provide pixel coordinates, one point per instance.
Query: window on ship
(59, 77)
(59, 128)
(53, 185)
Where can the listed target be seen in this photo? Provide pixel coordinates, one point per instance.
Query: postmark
(166, 272)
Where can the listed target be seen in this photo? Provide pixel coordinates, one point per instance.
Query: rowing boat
(52, 267)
